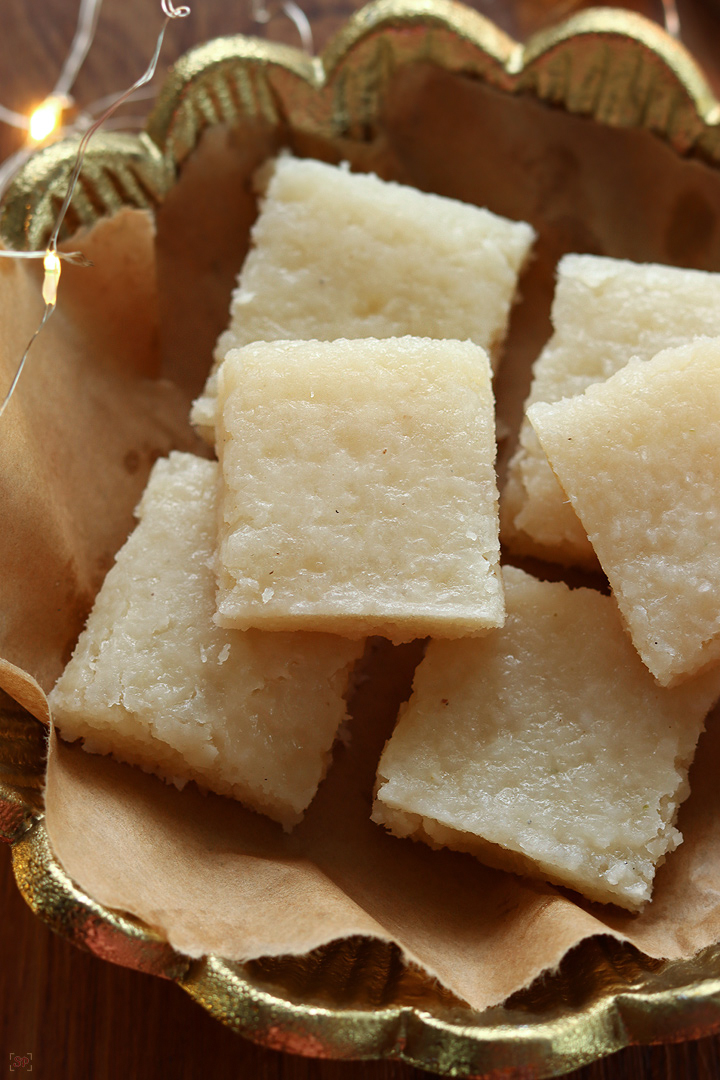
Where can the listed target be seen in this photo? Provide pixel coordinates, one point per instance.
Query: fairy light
(52, 267)
(46, 121)
(46, 118)
(52, 258)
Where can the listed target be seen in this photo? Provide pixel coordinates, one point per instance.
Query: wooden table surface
(77, 1016)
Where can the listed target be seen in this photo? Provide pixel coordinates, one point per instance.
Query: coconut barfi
(639, 458)
(359, 493)
(344, 255)
(605, 312)
(155, 682)
(546, 748)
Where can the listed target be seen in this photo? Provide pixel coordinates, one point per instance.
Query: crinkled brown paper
(78, 441)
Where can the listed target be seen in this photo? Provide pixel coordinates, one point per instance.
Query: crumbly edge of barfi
(435, 834)
(397, 631)
(170, 766)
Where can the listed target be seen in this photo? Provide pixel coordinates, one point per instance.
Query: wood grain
(78, 1016)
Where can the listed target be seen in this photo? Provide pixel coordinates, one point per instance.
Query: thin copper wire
(294, 12)
(170, 12)
(82, 40)
(14, 119)
(672, 18)
(77, 258)
(84, 36)
(296, 15)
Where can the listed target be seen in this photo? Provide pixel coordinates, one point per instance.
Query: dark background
(78, 1016)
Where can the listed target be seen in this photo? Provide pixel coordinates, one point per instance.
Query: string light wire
(296, 15)
(671, 18)
(45, 119)
(170, 12)
(77, 258)
(52, 263)
(143, 94)
(14, 119)
(84, 36)
(294, 12)
(49, 308)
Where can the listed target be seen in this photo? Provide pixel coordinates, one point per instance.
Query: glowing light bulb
(46, 118)
(52, 266)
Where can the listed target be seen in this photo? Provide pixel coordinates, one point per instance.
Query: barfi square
(605, 312)
(359, 493)
(346, 255)
(546, 748)
(639, 460)
(156, 683)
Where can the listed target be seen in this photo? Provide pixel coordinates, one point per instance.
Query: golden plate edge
(449, 1039)
(143, 169)
(146, 164)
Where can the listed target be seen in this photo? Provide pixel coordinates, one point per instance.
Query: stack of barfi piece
(355, 492)
(352, 412)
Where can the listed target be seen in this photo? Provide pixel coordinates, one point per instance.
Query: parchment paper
(88, 419)
(77, 447)
(215, 877)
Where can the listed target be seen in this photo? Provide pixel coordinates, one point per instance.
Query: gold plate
(604, 134)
